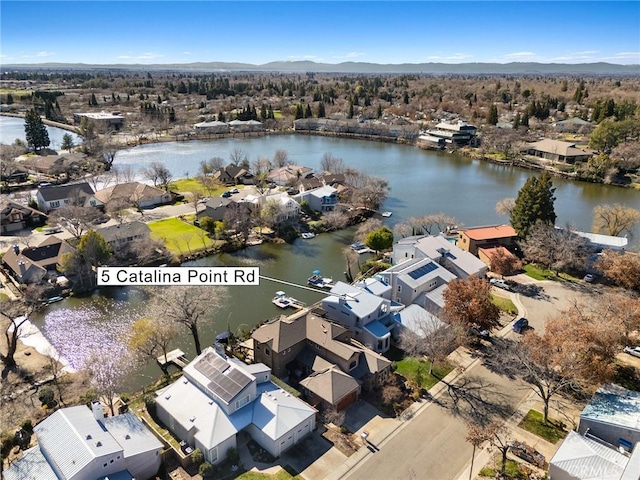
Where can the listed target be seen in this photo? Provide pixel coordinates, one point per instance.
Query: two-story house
(15, 217)
(472, 239)
(56, 196)
(323, 199)
(217, 397)
(33, 264)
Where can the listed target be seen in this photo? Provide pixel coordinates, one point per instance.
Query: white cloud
(520, 55)
(627, 55)
(434, 57)
(45, 54)
(458, 56)
(585, 52)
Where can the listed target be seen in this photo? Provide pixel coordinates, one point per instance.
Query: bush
(125, 397)
(197, 457)
(206, 470)
(233, 455)
(46, 396)
(6, 444)
(89, 396)
(150, 404)
(27, 426)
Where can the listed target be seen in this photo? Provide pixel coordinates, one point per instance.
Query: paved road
(432, 445)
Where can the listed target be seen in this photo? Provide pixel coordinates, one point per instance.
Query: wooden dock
(176, 357)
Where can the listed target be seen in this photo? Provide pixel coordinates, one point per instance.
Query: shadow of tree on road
(476, 400)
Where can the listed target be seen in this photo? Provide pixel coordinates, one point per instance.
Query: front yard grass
(512, 469)
(181, 238)
(551, 431)
(417, 370)
(187, 185)
(280, 475)
(504, 304)
(539, 273)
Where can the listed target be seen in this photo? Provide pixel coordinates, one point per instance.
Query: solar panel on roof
(423, 270)
(224, 381)
(451, 255)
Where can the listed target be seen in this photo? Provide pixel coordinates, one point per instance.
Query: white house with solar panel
(217, 397)
(77, 443)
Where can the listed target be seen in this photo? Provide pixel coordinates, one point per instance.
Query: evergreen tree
(35, 131)
(9, 99)
(517, 120)
(406, 98)
(67, 142)
(534, 204)
(307, 112)
(492, 115)
(93, 102)
(351, 111)
(299, 111)
(321, 112)
(379, 112)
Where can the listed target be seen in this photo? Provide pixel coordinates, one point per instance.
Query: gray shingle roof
(59, 192)
(332, 385)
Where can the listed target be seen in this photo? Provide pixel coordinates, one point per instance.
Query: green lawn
(511, 470)
(504, 304)
(551, 431)
(409, 367)
(179, 237)
(194, 185)
(539, 273)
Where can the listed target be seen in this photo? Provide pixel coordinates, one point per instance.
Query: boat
(283, 301)
(317, 280)
(386, 214)
(307, 235)
(51, 300)
(360, 248)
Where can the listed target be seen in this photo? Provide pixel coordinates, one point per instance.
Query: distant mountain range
(514, 68)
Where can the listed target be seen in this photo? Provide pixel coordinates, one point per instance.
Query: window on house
(399, 288)
(55, 204)
(353, 365)
(267, 352)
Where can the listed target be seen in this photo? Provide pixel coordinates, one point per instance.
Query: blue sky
(330, 32)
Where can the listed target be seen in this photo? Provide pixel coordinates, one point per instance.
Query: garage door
(302, 431)
(286, 442)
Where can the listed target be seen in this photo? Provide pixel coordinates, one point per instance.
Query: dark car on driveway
(521, 325)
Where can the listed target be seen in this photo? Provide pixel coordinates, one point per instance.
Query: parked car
(521, 325)
(496, 282)
(226, 194)
(635, 351)
(477, 331)
(234, 190)
(589, 277)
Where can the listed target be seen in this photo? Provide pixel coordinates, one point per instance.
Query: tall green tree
(534, 204)
(492, 115)
(67, 142)
(35, 131)
(379, 240)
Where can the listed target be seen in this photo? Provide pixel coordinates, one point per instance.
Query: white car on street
(635, 351)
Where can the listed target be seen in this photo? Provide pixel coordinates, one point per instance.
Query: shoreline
(463, 152)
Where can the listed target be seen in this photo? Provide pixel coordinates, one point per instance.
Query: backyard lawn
(281, 475)
(195, 185)
(539, 273)
(179, 237)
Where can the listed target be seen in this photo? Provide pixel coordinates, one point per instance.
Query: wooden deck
(176, 357)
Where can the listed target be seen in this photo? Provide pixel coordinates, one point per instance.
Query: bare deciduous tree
(74, 218)
(332, 164)
(555, 248)
(615, 219)
(505, 206)
(159, 174)
(151, 338)
(468, 302)
(281, 158)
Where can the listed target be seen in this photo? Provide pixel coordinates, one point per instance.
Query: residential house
(600, 241)
(583, 457)
(215, 208)
(419, 281)
(489, 254)
(331, 388)
(136, 194)
(53, 165)
(323, 199)
(613, 415)
(308, 342)
(218, 397)
(31, 265)
(460, 133)
(15, 217)
(234, 175)
(123, 234)
(104, 120)
(419, 321)
(558, 151)
(76, 443)
(288, 208)
(441, 250)
(471, 239)
(364, 313)
(573, 125)
(245, 126)
(80, 194)
(211, 127)
(288, 175)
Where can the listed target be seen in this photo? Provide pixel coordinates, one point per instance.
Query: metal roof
(277, 412)
(32, 466)
(131, 434)
(614, 405)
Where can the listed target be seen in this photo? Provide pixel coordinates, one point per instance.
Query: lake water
(421, 182)
(12, 128)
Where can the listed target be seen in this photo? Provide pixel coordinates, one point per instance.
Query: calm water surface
(421, 182)
(12, 128)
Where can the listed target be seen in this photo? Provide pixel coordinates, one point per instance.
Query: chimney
(16, 249)
(23, 270)
(98, 413)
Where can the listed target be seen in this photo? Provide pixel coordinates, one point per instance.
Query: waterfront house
(471, 239)
(331, 388)
(104, 120)
(56, 196)
(78, 443)
(217, 397)
(287, 208)
(419, 281)
(31, 265)
(117, 236)
(245, 126)
(215, 208)
(234, 175)
(53, 165)
(288, 175)
(213, 126)
(438, 248)
(322, 199)
(444, 133)
(558, 151)
(15, 217)
(136, 194)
